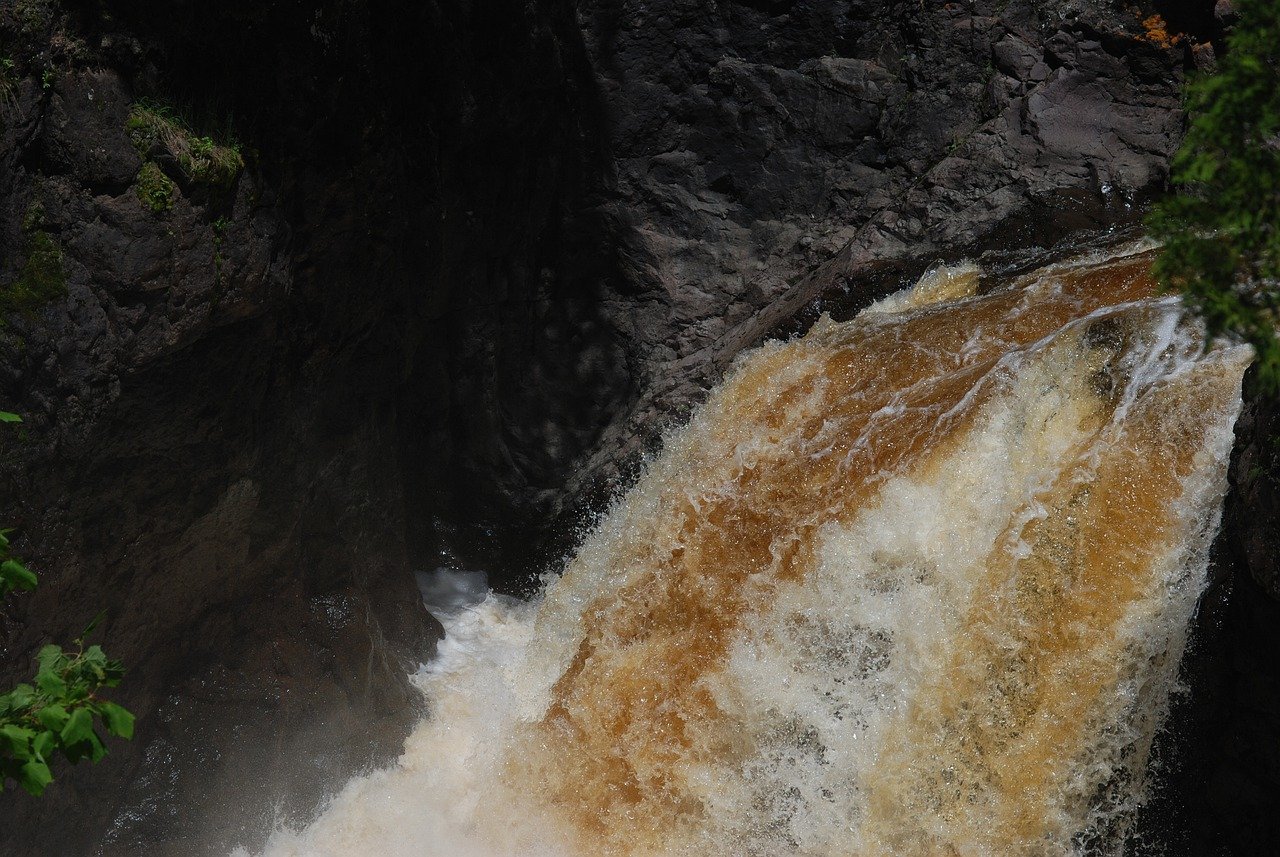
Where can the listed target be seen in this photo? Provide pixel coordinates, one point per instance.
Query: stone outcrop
(1254, 506)
(1218, 766)
(247, 401)
(476, 259)
(770, 152)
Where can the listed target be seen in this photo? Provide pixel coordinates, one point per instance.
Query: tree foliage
(1222, 233)
(54, 714)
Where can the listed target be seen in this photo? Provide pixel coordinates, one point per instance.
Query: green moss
(34, 218)
(219, 260)
(33, 15)
(155, 189)
(8, 80)
(212, 164)
(41, 279)
(146, 125)
(156, 130)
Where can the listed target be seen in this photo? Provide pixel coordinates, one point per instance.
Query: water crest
(912, 584)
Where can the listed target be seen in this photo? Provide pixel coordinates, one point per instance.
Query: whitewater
(916, 583)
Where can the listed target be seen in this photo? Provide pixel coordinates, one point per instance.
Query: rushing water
(913, 584)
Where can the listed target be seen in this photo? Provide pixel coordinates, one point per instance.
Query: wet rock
(1217, 766)
(887, 134)
(476, 262)
(1017, 59)
(1253, 511)
(84, 130)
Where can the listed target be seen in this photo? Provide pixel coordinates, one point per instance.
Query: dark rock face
(248, 409)
(1254, 507)
(1219, 770)
(768, 153)
(479, 257)
(234, 508)
(1216, 795)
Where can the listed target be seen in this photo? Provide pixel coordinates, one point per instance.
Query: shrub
(54, 714)
(1222, 233)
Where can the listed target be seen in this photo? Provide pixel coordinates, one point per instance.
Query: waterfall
(913, 584)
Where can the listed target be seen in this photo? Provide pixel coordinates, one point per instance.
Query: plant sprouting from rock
(1222, 233)
(155, 189)
(58, 712)
(41, 278)
(8, 81)
(159, 134)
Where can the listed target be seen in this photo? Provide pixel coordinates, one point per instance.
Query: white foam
(819, 688)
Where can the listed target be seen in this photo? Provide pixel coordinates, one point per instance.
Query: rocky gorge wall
(476, 258)
(240, 407)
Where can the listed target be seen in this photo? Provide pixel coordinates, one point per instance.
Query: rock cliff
(299, 300)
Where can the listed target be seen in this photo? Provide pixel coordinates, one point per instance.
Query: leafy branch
(1222, 233)
(55, 714)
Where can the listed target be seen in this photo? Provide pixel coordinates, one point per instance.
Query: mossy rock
(41, 280)
(33, 16)
(155, 189)
(157, 131)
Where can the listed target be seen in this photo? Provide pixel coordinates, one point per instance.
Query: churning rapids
(913, 584)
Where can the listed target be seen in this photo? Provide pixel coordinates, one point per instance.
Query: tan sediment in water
(913, 584)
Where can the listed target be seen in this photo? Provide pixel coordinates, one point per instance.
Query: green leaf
(53, 717)
(16, 741)
(6, 417)
(91, 748)
(51, 683)
(112, 673)
(92, 625)
(17, 575)
(119, 721)
(50, 657)
(79, 727)
(96, 661)
(35, 776)
(44, 744)
(21, 696)
(97, 748)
